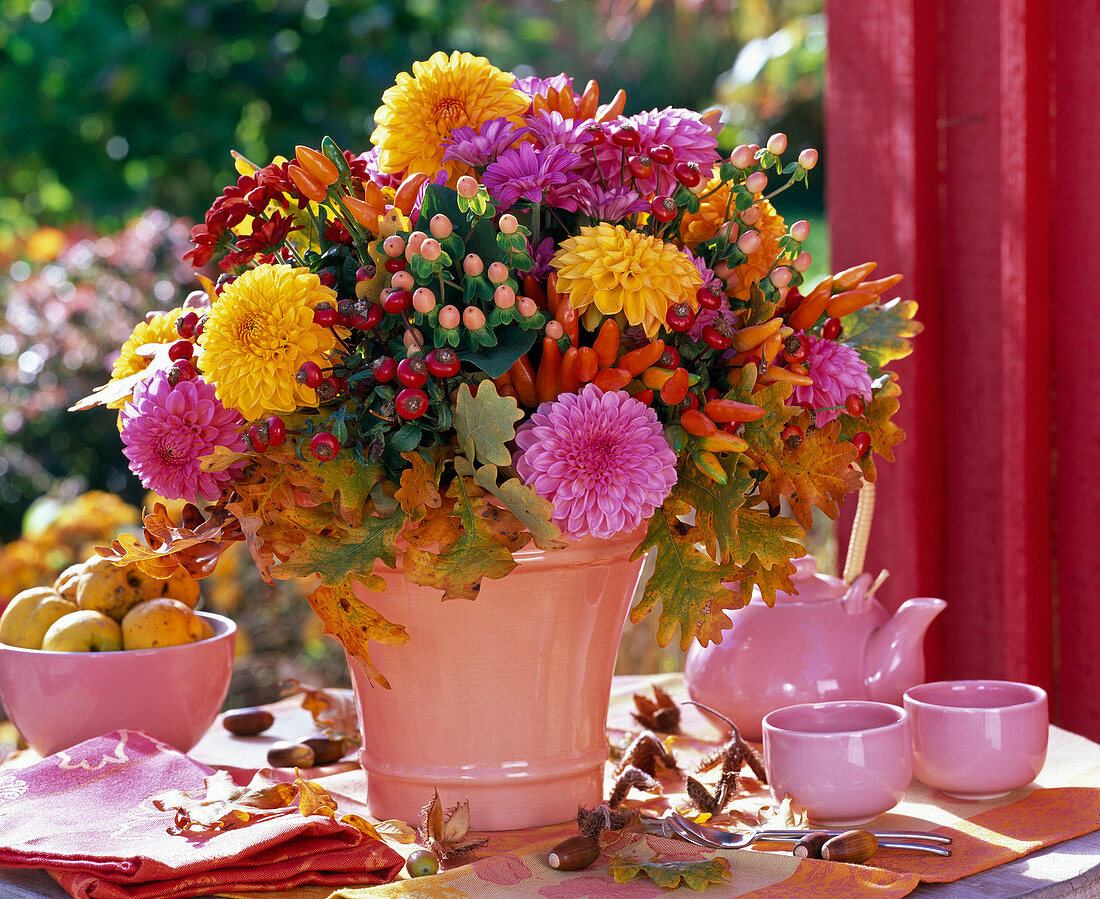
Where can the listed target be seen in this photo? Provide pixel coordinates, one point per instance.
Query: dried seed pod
(326, 751)
(247, 722)
(810, 845)
(855, 846)
(573, 854)
(290, 755)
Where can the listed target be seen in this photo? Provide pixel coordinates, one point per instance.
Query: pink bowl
(977, 739)
(844, 762)
(174, 693)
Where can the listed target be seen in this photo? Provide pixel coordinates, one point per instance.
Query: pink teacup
(844, 762)
(977, 739)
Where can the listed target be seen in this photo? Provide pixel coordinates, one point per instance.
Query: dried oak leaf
(650, 754)
(448, 835)
(313, 799)
(393, 830)
(591, 822)
(695, 875)
(334, 713)
(628, 779)
(222, 805)
(122, 388)
(661, 713)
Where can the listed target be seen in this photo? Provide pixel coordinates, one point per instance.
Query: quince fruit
(161, 622)
(181, 586)
(29, 616)
(67, 581)
(113, 589)
(83, 631)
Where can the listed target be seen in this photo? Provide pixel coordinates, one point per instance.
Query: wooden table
(1070, 868)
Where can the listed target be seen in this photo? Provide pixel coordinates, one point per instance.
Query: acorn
(290, 755)
(810, 845)
(855, 846)
(573, 854)
(326, 751)
(247, 722)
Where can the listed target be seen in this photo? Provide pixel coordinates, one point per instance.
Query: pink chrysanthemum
(600, 458)
(166, 430)
(838, 372)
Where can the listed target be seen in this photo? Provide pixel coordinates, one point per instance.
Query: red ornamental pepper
(645, 396)
(553, 298)
(570, 323)
(731, 410)
(569, 379)
(637, 361)
(675, 388)
(697, 424)
(548, 379)
(606, 344)
(523, 380)
(612, 379)
(533, 289)
(587, 364)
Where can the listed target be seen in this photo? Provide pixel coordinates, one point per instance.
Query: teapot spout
(894, 659)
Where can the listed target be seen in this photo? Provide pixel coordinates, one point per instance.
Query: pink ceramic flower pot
(501, 701)
(173, 693)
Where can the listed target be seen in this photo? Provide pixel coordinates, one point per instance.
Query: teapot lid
(811, 586)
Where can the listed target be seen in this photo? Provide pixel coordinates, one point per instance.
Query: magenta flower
(600, 458)
(609, 204)
(838, 372)
(521, 173)
(551, 129)
(167, 430)
(532, 85)
(479, 148)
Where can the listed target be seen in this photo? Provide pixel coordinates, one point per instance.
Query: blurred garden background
(117, 125)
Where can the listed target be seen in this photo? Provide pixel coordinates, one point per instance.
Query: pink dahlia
(600, 458)
(166, 430)
(838, 372)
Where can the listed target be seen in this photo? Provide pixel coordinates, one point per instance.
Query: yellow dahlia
(258, 334)
(625, 271)
(422, 109)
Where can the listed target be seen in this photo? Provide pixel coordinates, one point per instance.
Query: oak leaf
(334, 713)
(875, 421)
(764, 547)
(881, 333)
(345, 482)
(313, 799)
(392, 829)
(222, 805)
(449, 834)
(419, 490)
(532, 510)
(355, 624)
(122, 388)
(696, 875)
(762, 435)
(485, 423)
(717, 506)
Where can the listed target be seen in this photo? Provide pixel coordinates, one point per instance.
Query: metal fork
(714, 838)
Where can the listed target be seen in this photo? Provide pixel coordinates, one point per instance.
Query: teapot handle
(859, 597)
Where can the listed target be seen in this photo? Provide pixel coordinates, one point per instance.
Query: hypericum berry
(554, 330)
(680, 317)
(473, 265)
(751, 215)
(395, 265)
(742, 156)
(412, 402)
(508, 224)
(756, 182)
(414, 342)
(663, 209)
(183, 370)
(687, 173)
(777, 144)
(715, 339)
(414, 243)
(627, 136)
(443, 362)
(398, 301)
(710, 297)
(325, 315)
(800, 230)
(394, 246)
(526, 306)
(792, 436)
(402, 280)
(796, 348)
(324, 446)
(862, 442)
(276, 431)
(807, 159)
(430, 249)
(663, 154)
(640, 166)
(449, 317)
(365, 272)
(498, 272)
(440, 226)
(781, 277)
(749, 242)
(854, 405)
(670, 358)
(504, 297)
(257, 438)
(384, 369)
(412, 372)
(326, 390)
(327, 278)
(181, 349)
(185, 324)
(423, 300)
(467, 187)
(832, 329)
(802, 262)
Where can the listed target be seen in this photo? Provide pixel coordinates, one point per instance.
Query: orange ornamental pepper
(587, 364)
(523, 379)
(844, 303)
(365, 214)
(533, 289)
(811, 307)
(606, 343)
(645, 396)
(567, 103)
(553, 298)
(406, 193)
(731, 410)
(317, 164)
(502, 382)
(882, 284)
(570, 323)
(697, 424)
(569, 380)
(722, 442)
(637, 361)
(771, 347)
(775, 373)
(590, 99)
(508, 390)
(852, 277)
(751, 337)
(310, 187)
(609, 379)
(655, 377)
(548, 379)
(611, 111)
(675, 388)
(372, 195)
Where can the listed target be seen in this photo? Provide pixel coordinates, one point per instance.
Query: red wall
(959, 150)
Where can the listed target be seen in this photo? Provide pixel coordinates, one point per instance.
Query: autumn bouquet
(520, 316)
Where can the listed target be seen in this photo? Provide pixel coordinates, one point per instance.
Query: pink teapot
(829, 641)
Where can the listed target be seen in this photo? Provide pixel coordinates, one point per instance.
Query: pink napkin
(85, 815)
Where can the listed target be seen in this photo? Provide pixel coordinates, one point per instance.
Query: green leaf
(875, 421)
(763, 435)
(880, 333)
(696, 875)
(716, 506)
(485, 423)
(481, 239)
(405, 438)
(512, 342)
(764, 547)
